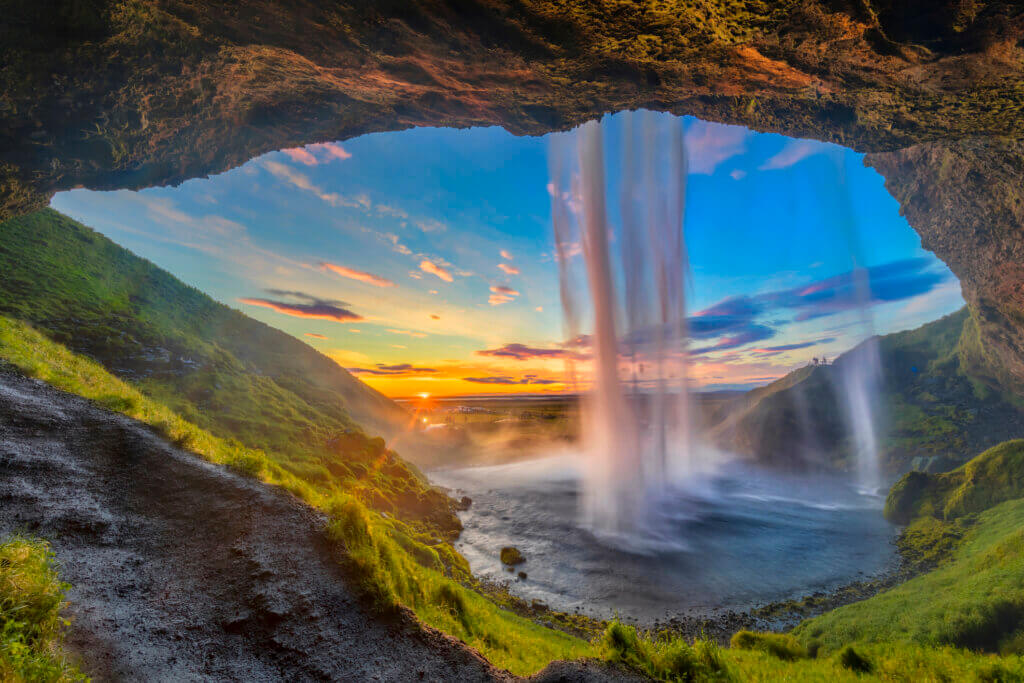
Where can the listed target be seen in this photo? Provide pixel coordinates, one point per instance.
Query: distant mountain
(936, 406)
(221, 370)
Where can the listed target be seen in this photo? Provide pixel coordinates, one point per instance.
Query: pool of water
(728, 540)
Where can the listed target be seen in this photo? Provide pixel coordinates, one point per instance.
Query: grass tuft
(31, 628)
(780, 645)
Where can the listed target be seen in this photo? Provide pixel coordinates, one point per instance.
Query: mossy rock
(995, 476)
(511, 555)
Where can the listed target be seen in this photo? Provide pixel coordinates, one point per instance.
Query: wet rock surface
(181, 570)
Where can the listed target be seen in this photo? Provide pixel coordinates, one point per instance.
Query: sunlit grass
(31, 627)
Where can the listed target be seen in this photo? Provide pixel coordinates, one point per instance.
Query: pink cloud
(509, 270)
(434, 269)
(311, 155)
(301, 155)
(314, 335)
(505, 255)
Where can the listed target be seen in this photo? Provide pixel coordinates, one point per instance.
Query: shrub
(781, 645)
(854, 661)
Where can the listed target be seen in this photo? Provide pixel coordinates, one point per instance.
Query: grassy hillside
(973, 517)
(935, 403)
(212, 366)
(995, 476)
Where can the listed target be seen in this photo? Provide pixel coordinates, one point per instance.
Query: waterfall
(636, 418)
(860, 373)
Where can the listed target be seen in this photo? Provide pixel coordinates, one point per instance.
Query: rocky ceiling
(110, 94)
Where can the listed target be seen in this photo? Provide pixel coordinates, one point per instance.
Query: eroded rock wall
(130, 93)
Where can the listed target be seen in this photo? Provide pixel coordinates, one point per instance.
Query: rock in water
(511, 555)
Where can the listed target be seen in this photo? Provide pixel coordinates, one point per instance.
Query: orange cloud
(418, 335)
(505, 255)
(317, 310)
(360, 275)
(430, 267)
(314, 335)
(501, 295)
(509, 270)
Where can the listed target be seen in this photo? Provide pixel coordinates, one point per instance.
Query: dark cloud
(752, 333)
(392, 370)
(528, 379)
(320, 310)
(524, 352)
(305, 298)
(886, 283)
(735, 323)
(775, 350)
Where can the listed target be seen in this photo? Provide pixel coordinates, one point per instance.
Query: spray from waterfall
(636, 418)
(860, 372)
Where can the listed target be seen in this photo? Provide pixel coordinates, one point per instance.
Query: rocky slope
(181, 570)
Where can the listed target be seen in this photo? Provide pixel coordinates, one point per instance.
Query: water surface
(736, 538)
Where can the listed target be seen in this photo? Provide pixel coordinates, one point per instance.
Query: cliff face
(131, 93)
(966, 199)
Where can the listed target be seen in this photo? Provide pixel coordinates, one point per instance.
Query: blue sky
(416, 257)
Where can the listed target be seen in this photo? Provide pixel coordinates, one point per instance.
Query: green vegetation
(780, 645)
(969, 524)
(131, 329)
(974, 600)
(394, 562)
(669, 659)
(995, 476)
(936, 400)
(215, 368)
(31, 628)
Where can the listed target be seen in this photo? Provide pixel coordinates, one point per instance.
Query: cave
(132, 94)
(151, 93)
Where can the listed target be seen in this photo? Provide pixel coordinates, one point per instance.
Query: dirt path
(183, 571)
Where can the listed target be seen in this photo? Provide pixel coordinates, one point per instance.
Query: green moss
(510, 555)
(994, 476)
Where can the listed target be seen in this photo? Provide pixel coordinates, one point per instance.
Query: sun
(424, 395)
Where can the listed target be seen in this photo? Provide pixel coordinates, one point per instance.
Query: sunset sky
(423, 260)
